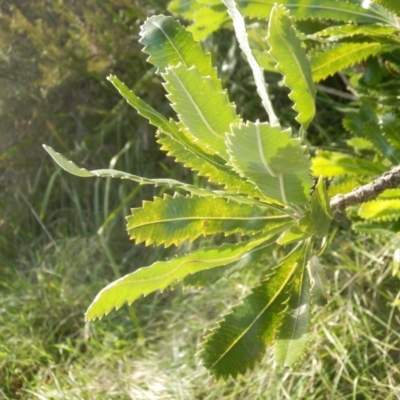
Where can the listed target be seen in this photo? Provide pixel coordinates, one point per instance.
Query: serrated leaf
(207, 20)
(170, 127)
(162, 274)
(391, 129)
(330, 61)
(207, 16)
(374, 133)
(392, 5)
(293, 64)
(300, 9)
(182, 146)
(334, 33)
(188, 8)
(380, 210)
(168, 44)
(314, 222)
(320, 212)
(317, 281)
(330, 164)
(240, 339)
(390, 194)
(183, 149)
(241, 35)
(172, 220)
(292, 337)
(269, 158)
(292, 235)
(343, 185)
(73, 169)
(210, 276)
(327, 9)
(379, 228)
(204, 110)
(359, 143)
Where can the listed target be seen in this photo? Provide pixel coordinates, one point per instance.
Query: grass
(148, 351)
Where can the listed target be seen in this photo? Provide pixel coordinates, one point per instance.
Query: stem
(362, 194)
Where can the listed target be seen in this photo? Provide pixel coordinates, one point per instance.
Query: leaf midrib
(205, 218)
(295, 264)
(194, 104)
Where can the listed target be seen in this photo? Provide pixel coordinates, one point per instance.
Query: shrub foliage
(260, 186)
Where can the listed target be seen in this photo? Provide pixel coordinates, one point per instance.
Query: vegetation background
(63, 238)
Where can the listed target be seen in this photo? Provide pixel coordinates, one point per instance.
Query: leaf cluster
(258, 173)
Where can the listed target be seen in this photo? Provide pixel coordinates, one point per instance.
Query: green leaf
(360, 143)
(204, 110)
(162, 274)
(154, 117)
(372, 31)
(240, 339)
(374, 133)
(172, 220)
(207, 15)
(391, 129)
(73, 169)
(381, 210)
(330, 61)
(295, 233)
(183, 149)
(242, 37)
(379, 228)
(207, 20)
(314, 222)
(317, 281)
(188, 8)
(291, 340)
(210, 276)
(321, 213)
(390, 194)
(392, 5)
(273, 161)
(169, 44)
(327, 9)
(330, 164)
(293, 64)
(180, 144)
(343, 185)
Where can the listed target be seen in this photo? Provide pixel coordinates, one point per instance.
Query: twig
(388, 180)
(338, 93)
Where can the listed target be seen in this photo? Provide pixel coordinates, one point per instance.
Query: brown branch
(388, 180)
